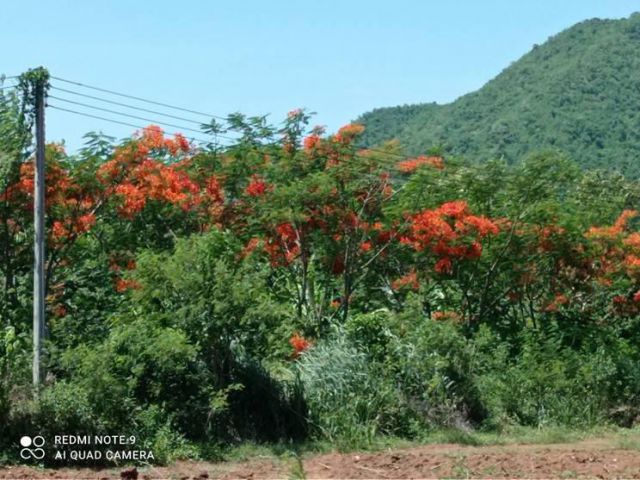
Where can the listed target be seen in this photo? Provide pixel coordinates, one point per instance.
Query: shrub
(349, 401)
(548, 383)
(433, 366)
(140, 364)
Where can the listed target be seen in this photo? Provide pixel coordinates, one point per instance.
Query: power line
(115, 112)
(138, 98)
(127, 124)
(119, 122)
(155, 112)
(397, 155)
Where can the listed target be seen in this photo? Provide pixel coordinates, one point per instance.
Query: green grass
(629, 439)
(286, 452)
(297, 469)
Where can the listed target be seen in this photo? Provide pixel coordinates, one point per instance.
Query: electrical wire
(115, 112)
(153, 102)
(196, 139)
(155, 112)
(127, 124)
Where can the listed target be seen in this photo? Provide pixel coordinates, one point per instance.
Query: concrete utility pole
(38, 249)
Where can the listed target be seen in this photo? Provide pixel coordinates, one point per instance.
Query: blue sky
(337, 58)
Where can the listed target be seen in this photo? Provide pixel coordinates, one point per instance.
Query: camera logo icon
(28, 453)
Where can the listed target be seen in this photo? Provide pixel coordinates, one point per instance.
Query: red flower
(411, 165)
(556, 303)
(621, 299)
(636, 297)
(456, 209)
(311, 142)
(134, 199)
(122, 285)
(214, 190)
(85, 222)
(409, 280)
(445, 315)
(256, 188)
(348, 132)
(482, 225)
(181, 142)
(366, 246)
(616, 229)
(299, 344)
(251, 245)
(59, 231)
(474, 251)
(444, 265)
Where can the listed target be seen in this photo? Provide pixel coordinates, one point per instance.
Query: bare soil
(596, 458)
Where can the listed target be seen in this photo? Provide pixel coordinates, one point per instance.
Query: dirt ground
(596, 458)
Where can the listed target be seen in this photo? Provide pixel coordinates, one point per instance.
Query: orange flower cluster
(348, 133)
(632, 259)
(548, 237)
(137, 174)
(124, 284)
(311, 142)
(256, 187)
(68, 205)
(59, 188)
(411, 165)
(409, 280)
(613, 231)
(212, 199)
(556, 303)
(154, 180)
(366, 246)
(283, 245)
(123, 261)
(151, 141)
(443, 315)
(153, 138)
(299, 344)
(71, 227)
(450, 232)
(619, 251)
(134, 199)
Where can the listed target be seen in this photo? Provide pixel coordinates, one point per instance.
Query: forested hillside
(579, 92)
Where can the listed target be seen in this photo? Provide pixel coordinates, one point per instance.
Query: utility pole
(39, 244)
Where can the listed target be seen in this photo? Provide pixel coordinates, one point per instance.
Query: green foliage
(66, 407)
(433, 366)
(12, 370)
(575, 93)
(139, 363)
(545, 383)
(349, 401)
(203, 289)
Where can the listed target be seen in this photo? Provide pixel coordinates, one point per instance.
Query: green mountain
(579, 92)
